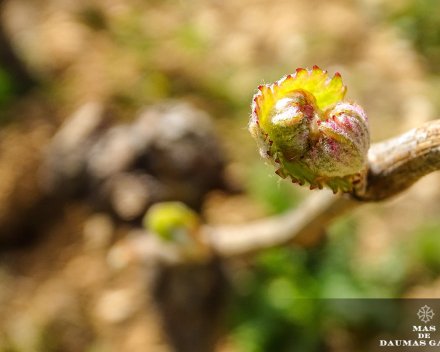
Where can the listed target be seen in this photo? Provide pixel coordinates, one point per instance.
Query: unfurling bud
(172, 221)
(302, 126)
(179, 229)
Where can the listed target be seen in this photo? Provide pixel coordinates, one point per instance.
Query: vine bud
(179, 228)
(303, 127)
(172, 221)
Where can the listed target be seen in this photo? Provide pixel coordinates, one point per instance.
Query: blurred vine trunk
(191, 300)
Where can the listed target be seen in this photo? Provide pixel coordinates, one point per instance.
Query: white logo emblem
(425, 314)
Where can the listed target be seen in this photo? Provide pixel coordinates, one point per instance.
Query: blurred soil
(61, 286)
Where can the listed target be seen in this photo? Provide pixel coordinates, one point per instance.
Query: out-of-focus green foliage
(93, 17)
(6, 87)
(275, 195)
(281, 303)
(419, 20)
(426, 248)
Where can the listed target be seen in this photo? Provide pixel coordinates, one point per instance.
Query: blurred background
(110, 106)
